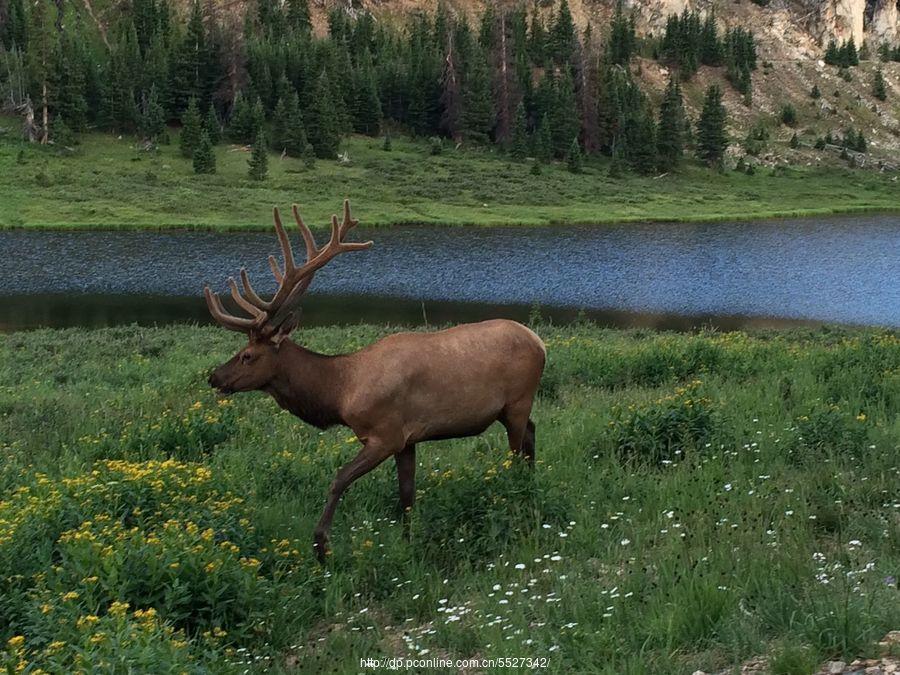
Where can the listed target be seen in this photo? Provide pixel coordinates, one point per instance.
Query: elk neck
(309, 385)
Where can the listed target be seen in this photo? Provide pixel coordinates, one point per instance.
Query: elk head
(271, 321)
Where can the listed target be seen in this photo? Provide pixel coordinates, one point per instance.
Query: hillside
(791, 36)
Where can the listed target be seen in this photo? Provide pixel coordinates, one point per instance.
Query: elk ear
(286, 328)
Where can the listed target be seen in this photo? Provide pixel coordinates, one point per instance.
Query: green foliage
(152, 121)
(258, 164)
(788, 115)
(844, 56)
(386, 144)
(212, 126)
(61, 134)
(573, 157)
(322, 127)
(204, 156)
(670, 131)
(666, 430)
(191, 129)
(879, 90)
(213, 558)
(519, 144)
(712, 139)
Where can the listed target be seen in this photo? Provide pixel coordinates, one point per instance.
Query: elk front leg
(372, 454)
(406, 478)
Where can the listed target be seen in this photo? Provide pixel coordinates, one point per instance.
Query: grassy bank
(699, 499)
(106, 183)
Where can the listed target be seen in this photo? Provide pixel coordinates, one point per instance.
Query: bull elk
(402, 390)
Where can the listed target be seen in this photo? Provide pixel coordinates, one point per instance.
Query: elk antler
(268, 315)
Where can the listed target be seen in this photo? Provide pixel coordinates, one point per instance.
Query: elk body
(402, 390)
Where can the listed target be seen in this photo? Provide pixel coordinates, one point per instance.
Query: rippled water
(841, 269)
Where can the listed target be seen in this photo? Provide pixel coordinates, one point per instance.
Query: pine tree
(711, 136)
(670, 130)
(544, 141)
(212, 126)
(258, 165)
(879, 90)
(366, 109)
(298, 16)
(187, 64)
(295, 139)
(848, 54)
(832, 55)
(477, 117)
(519, 145)
(563, 40)
(61, 133)
(241, 125)
(14, 32)
(204, 156)
(279, 126)
(152, 123)
(386, 146)
(573, 157)
(622, 41)
(321, 127)
(191, 130)
(564, 118)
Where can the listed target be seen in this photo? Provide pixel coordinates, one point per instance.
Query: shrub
(138, 552)
(661, 431)
(829, 428)
(788, 115)
(184, 435)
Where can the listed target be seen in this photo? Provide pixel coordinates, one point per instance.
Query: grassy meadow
(107, 183)
(699, 499)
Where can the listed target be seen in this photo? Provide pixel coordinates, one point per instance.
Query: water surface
(839, 269)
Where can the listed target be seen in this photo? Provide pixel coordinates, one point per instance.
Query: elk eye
(246, 357)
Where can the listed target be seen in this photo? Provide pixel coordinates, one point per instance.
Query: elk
(402, 390)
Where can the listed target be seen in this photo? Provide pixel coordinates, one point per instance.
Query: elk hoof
(320, 546)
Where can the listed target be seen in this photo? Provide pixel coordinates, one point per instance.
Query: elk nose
(213, 382)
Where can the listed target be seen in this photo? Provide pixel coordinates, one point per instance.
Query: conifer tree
(295, 140)
(298, 16)
(321, 127)
(477, 117)
(258, 164)
(386, 146)
(544, 141)
(670, 130)
(832, 55)
(212, 126)
(879, 90)
(641, 132)
(366, 105)
(204, 156)
(187, 63)
(241, 125)
(622, 40)
(152, 123)
(711, 135)
(191, 129)
(519, 145)
(564, 118)
(573, 157)
(563, 40)
(279, 125)
(537, 38)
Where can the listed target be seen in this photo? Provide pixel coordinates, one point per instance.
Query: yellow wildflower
(16, 641)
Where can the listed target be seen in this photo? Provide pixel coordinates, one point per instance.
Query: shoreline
(761, 216)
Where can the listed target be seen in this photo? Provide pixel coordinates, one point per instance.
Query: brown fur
(402, 390)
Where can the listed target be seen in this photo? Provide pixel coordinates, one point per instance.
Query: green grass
(107, 183)
(698, 500)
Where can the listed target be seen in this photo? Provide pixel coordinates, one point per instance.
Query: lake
(728, 274)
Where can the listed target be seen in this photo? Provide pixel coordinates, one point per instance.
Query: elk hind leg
(519, 430)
